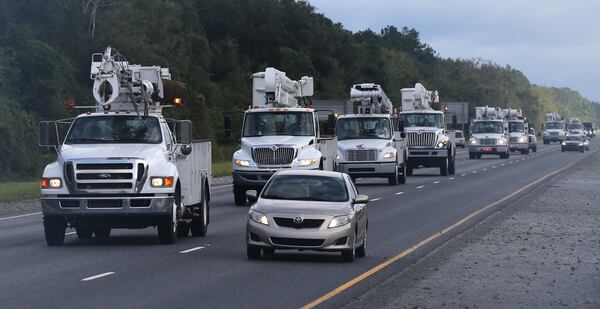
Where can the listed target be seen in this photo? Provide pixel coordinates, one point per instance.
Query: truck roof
(113, 113)
(364, 116)
(422, 112)
(281, 109)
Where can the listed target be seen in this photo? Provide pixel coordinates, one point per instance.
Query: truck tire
(183, 229)
(102, 233)
(239, 195)
(534, 148)
(402, 176)
(167, 230)
(253, 252)
(84, 233)
(451, 166)
(393, 179)
(444, 167)
(409, 171)
(54, 230)
(199, 224)
(471, 156)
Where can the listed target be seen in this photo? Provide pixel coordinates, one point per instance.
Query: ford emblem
(104, 176)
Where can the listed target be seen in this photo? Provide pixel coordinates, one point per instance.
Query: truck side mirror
(331, 123)
(401, 126)
(454, 121)
(44, 142)
(185, 131)
(227, 125)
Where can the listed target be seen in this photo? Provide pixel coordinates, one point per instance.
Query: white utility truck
(122, 164)
(488, 135)
(554, 131)
(368, 143)
(518, 130)
(429, 143)
(575, 127)
(279, 133)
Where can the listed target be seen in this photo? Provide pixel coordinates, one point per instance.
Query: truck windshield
(516, 126)
(114, 129)
(422, 120)
(306, 188)
(363, 128)
(554, 125)
(488, 127)
(575, 126)
(278, 123)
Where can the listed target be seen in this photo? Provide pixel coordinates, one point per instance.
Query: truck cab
(518, 136)
(488, 135)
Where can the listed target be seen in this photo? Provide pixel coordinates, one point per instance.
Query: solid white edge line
(191, 250)
(223, 186)
(21, 216)
(98, 276)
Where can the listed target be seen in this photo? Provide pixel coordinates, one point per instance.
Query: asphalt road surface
(132, 270)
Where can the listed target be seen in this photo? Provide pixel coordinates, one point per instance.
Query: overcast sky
(555, 43)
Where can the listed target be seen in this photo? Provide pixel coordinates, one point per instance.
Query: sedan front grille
(273, 155)
(281, 241)
(361, 155)
(424, 139)
(305, 224)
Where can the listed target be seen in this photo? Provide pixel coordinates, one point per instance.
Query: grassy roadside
(21, 190)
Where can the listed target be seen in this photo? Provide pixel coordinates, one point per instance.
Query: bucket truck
(122, 164)
(518, 130)
(280, 131)
(488, 135)
(554, 131)
(368, 143)
(575, 126)
(430, 144)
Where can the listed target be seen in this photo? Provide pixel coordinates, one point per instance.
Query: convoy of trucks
(122, 164)
(368, 142)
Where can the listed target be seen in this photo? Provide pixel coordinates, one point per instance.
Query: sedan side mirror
(361, 199)
(252, 197)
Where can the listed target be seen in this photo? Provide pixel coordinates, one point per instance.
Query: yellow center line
(425, 241)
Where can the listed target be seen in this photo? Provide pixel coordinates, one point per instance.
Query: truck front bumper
(367, 169)
(101, 205)
(492, 149)
(426, 157)
(518, 146)
(553, 138)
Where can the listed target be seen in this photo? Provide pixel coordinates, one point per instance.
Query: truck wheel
(535, 148)
(409, 171)
(444, 167)
(402, 177)
(253, 252)
(451, 167)
(239, 195)
(54, 230)
(102, 233)
(166, 230)
(183, 229)
(393, 179)
(471, 156)
(199, 225)
(84, 233)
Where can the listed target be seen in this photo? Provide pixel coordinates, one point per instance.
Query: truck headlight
(563, 143)
(306, 162)
(502, 141)
(258, 217)
(161, 182)
(442, 144)
(473, 141)
(51, 183)
(239, 162)
(389, 155)
(522, 139)
(339, 221)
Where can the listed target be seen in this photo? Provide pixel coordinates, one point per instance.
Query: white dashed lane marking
(437, 181)
(450, 178)
(463, 174)
(98, 276)
(399, 193)
(420, 187)
(191, 250)
(376, 199)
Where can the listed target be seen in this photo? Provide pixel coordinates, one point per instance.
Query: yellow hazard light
(177, 101)
(70, 102)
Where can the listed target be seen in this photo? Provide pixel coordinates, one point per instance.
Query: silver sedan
(308, 210)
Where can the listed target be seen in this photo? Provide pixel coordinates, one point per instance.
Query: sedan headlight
(473, 141)
(339, 221)
(502, 141)
(258, 217)
(51, 183)
(306, 162)
(389, 155)
(580, 144)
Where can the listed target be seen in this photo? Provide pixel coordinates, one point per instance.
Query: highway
(132, 270)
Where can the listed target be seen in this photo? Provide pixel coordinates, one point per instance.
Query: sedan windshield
(361, 127)
(554, 125)
(423, 120)
(488, 127)
(516, 126)
(306, 188)
(115, 129)
(573, 138)
(279, 123)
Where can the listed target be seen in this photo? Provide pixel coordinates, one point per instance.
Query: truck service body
(518, 130)
(121, 166)
(429, 143)
(488, 134)
(368, 144)
(278, 133)
(554, 131)
(575, 126)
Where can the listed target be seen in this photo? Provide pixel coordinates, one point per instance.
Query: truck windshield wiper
(89, 140)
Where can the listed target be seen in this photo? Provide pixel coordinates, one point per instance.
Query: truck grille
(361, 155)
(488, 141)
(425, 139)
(305, 224)
(105, 176)
(513, 139)
(554, 133)
(273, 155)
